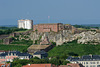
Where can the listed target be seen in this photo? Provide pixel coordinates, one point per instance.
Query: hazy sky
(65, 11)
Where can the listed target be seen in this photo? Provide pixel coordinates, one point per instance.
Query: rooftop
(85, 58)
(24, 20)
(74, 65)
(5, 65)
(37, 65)
(40, 52)
(15, 52)
(38, 46)
(48, 23)
(63, 66)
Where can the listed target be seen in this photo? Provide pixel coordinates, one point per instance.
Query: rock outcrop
(87, 37)
(59, 37)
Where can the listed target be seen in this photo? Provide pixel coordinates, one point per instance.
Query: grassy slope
(19, 47)
(12, 47)
(80, 49)
(23, 42)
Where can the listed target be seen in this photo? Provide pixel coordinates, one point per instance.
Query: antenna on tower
(48, 19)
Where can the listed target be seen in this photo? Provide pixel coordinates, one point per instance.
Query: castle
(48, 27)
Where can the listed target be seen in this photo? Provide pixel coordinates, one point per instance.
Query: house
(63, 66)
(9, 56)
(40, 54)
(5, 65)
(86, 61)
(2, 51)
(39, 65)
(72, 65)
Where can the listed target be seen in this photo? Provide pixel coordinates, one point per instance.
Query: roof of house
(63, 66)
(5, 65)
(40, 52)
(84, 58)
(48, 23)
(14, 52)
(3, 51)
(38, 65)
(38, 46)
(75, 65)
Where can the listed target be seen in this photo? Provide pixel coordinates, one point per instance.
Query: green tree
(18, 65)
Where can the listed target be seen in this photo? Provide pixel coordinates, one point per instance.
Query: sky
(60, 11)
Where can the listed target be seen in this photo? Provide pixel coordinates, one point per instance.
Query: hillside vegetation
(74, 49)
(8, 30)
(13, 47)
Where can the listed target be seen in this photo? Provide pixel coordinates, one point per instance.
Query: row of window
(90, 62)
(19, 57)
(93, 66)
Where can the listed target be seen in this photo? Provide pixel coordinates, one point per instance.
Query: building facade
(25, 24)
(9, 56)
(40, 54)
(48, 27)
(72, 65)
(86, 61)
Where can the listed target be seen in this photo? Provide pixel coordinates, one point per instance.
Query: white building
(25, 24)
(86, 61)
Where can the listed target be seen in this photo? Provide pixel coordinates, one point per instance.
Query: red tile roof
(38, 65)
(75, 65)
(63, 66)
(6, 65)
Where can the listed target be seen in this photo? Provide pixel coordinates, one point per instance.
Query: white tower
(25, 24)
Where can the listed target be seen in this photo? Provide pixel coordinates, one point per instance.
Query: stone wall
(7, 40)
(3, 36)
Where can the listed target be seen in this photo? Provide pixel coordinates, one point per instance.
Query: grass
(74, 49)
(1, 41)
(12, 47)
(23, 42)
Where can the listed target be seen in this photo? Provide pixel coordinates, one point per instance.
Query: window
(94, 66)
(86, 66)
(90, 62)
(93, 62)
(69, 66)
(98, 65)
(86, 62)
(91, 66)
(98, 62)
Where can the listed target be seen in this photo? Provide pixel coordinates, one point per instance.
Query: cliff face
(88, 37)
(59, 38)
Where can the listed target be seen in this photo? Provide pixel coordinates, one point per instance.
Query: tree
(72, 54)
(55, 61)
(18, 65)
